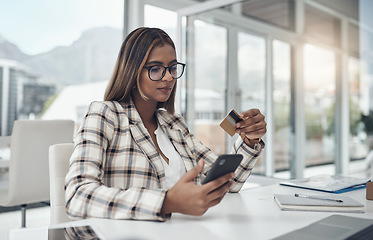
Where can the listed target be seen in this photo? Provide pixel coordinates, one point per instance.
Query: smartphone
(224, 164)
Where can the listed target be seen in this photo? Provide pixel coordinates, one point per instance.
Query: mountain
(10, 51)
(91, 58)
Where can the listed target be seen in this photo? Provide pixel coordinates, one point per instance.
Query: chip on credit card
(229, 122)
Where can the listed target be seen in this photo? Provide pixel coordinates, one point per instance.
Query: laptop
(334, 227)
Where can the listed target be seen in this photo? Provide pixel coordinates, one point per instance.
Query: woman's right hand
(188, 198)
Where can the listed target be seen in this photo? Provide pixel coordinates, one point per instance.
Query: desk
(250, 214)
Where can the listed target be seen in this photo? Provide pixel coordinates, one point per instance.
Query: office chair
(29, 166)
(59, 159)
(4, 153)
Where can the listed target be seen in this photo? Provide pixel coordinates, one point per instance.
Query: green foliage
(355, 117)
(313, 123)
(49, 102)
(282, 114)
(314, 128)
(354, 114)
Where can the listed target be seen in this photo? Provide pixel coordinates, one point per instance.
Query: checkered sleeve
(86, 194)
(247, 164)
(250, 156)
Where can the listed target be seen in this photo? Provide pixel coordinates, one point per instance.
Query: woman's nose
(167, 76)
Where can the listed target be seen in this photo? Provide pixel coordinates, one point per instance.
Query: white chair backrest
(29, 165)
(59, 159)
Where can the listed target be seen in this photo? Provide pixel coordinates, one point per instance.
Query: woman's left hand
(253, 125)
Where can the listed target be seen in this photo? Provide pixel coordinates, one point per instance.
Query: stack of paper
(319, 203)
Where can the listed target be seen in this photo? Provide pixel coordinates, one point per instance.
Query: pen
(318, 198)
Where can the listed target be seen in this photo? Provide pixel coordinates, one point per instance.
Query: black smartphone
(224, 164)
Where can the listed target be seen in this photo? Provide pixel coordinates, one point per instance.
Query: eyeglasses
(157, 72)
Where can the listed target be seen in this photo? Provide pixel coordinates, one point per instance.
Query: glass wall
(62, 56)
(251, 76)
(251, 70)
(358, 110)
(291, 59)
(282, 104)
(319, 104)
(210, 80)
(209, 69)
(292, 66)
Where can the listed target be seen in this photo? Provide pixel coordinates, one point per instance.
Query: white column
(269, 137)
(299, 135)
(342, 153)
(134, 14)
(233, 92)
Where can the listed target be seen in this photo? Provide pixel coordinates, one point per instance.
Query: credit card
(229, 122)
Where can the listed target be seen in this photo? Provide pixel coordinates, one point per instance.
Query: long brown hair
(132, 57)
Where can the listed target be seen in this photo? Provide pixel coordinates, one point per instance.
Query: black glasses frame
(164, 70)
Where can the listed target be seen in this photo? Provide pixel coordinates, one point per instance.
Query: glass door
(207, 76)
(319, 102)
(251, 51)
(281, 94)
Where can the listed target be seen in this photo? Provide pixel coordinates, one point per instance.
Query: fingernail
(200, 163)
(238, 125)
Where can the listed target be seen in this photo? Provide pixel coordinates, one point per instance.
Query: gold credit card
(229, 122)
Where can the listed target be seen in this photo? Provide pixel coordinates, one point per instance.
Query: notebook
(334, 227)
(318, 203)
(328, 183)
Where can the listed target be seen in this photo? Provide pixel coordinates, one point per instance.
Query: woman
(134, 158)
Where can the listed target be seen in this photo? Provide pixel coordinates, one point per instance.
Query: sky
(37, 26)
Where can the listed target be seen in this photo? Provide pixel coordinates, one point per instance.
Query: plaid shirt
(116, 171)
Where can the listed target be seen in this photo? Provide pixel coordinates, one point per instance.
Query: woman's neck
(146, 109)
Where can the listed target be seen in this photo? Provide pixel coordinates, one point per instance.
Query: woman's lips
(165, 89)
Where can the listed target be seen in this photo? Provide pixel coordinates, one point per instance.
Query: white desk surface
(250, 214)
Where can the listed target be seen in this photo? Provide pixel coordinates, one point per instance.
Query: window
(319, 102)
(281, 104)
(251, 76)
(210, 84)
(49, 45)
(359, 110)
